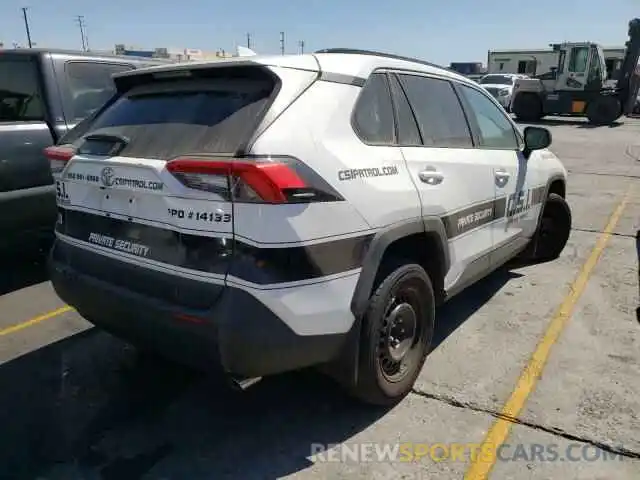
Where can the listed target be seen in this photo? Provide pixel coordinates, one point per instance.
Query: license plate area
(118, 201)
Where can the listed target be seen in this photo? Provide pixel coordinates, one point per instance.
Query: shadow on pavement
(91, 405)
(455, 312)
(19, 273)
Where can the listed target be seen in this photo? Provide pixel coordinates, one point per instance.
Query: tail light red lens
(58, 156)
(240, 179)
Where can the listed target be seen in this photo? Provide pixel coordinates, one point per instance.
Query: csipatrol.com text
(459, 452)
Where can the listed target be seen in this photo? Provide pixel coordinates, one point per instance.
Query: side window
(496, 131)
(561, 59)
(438, 111)
(90, 86)
(594, 66)
(578, 59)
(408, 133)
(373, 116)
(20, 99)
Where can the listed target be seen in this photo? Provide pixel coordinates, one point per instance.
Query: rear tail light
(58, 156)
(253, 179)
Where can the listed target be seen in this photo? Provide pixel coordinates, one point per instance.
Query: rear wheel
(396, 335)
(604, 110)
(553, 232)
(527, 107)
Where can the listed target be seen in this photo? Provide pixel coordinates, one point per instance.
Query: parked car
(270, 213)
(43, 94)
(500, 85)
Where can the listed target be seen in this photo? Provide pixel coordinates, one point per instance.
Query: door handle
(431, 176)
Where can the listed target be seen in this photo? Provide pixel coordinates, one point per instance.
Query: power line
(282, 43)
(26, 24)
(81, 23)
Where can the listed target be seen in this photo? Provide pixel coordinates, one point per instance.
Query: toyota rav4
(264, 214)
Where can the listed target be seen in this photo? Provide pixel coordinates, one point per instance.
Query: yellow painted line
(34, 321)
(482, 463)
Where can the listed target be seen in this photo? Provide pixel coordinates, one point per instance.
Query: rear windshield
(176, 118)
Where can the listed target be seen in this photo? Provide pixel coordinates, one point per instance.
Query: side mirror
(535, 138)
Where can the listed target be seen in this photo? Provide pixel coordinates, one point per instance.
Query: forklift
(578, 85)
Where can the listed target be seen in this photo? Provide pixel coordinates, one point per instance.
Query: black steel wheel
(604, 110)
(396, 334)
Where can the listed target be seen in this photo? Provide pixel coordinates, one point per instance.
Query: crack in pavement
(629, 173)
(625, 452)
(600, 174)
(600, 232)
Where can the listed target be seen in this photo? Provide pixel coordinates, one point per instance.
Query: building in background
(176, 54)
(537, 62)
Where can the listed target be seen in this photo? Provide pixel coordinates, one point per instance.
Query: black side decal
(478, 215)
(473, 217)
(258, 265)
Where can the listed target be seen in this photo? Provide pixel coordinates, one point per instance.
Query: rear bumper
(238, 335)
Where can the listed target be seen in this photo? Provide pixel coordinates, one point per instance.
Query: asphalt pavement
(535, 374)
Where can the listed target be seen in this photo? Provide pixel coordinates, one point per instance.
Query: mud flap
(344, 368)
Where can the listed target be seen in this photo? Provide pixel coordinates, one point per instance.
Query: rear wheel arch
(422, 241)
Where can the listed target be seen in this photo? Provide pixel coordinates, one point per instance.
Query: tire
(604, 110)
(403, 299)
(553, 232)
(527, 107)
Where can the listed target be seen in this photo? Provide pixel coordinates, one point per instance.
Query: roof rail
(355, 51)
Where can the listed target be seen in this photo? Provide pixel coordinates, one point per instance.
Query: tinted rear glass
(185, 117)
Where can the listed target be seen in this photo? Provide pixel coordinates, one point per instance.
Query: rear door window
(438, 111)
(89, 86)
(20, 98)
(408, 133)
(182, 117)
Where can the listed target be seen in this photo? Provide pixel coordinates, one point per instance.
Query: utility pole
(248, 40)
(26, 25)
(301, 44)
(282, 43)
(81, 24)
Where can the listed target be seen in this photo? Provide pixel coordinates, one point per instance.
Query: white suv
(500, 86)
(260, 215)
